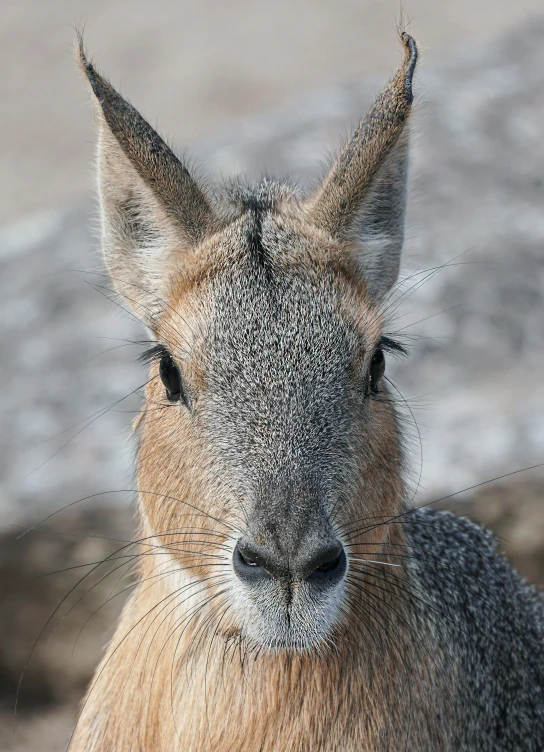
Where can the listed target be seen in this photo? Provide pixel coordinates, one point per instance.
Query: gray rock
(474, 381)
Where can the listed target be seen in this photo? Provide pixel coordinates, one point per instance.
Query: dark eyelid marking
(388, 344)
(155, 353)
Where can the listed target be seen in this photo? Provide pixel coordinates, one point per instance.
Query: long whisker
(371, 561)
(451, 496)
(94, 418)
(124, 490)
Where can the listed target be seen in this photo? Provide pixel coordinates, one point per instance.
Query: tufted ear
(362, 200)
(151, 208)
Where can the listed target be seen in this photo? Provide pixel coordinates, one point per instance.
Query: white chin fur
(270, 621)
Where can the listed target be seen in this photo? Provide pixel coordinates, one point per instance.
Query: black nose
(324, 564)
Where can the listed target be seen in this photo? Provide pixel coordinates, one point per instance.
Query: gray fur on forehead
(262, 196)
(278, 358)
(278, 339)
(270, 312)
(263, 310)
(248, 213)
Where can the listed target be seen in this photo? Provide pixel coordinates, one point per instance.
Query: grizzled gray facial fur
(266, 307)
(272, 509)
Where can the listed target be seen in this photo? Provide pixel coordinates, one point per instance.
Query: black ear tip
(410, 63)
(88, 69)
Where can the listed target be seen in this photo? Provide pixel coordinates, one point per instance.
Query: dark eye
(171, 378)
(377, 368)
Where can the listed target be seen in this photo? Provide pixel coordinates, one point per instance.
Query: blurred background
(246, 87)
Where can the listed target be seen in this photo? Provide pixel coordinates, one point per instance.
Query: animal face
(267, 436)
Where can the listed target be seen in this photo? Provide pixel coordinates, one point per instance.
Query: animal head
(267, 439)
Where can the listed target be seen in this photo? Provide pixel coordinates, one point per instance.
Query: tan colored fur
(170, 682)
(178, 675)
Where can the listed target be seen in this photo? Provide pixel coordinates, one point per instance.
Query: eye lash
(153, 354)
(392, 345)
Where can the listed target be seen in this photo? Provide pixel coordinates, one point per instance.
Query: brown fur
(194, 689)
(340, 195)
(178, 674)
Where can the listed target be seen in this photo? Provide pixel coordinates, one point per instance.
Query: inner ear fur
(151, 207)
(362, 199)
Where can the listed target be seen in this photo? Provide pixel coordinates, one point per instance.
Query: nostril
(255, 565)
(330, 567)
(247, 560)
(248, 564)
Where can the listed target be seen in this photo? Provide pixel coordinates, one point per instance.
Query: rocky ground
(474, 380)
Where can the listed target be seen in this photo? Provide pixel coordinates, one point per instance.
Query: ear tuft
(410, 64)
(88, 69)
